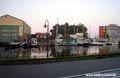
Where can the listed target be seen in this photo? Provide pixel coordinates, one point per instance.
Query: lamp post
(47, 25)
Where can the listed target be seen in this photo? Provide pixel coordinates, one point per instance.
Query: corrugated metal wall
(9, 33)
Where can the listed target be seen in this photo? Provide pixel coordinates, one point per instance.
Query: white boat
(97, 43)
(108, 43)
(78, 37)
(58, 40)
(111, 43)
(80, 40)
(84, 42)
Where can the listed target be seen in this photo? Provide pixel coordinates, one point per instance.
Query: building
(113, 31)
(109, 31)
(12, 28)
(42, 37)
(101, 31)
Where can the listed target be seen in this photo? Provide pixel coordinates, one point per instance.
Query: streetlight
(47, 25)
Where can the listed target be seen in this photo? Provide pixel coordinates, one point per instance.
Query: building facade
(12, 28)
(42, 37)
(109, 31)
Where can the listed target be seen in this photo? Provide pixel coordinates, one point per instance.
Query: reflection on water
(40, 52)
(57, 51)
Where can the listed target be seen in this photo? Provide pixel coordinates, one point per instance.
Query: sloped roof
(12, 17)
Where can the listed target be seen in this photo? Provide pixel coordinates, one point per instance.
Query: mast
(83, 31)
(74, 29)
(65, 31)
(57, 28)
(77, 29)
(90, 32)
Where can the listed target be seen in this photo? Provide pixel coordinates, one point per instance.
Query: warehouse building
(12, 28)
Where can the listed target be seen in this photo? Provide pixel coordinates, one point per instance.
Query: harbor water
(54, 51)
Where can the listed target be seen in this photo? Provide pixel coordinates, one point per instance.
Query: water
(57, 51)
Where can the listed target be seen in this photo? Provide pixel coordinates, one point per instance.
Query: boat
(58, 37)
(66, 42)
(14, 44)
(97, 44)
(86, 43)
(31, 44)
(58, 40)
(34, 44)
(24, 44)
(69, 42)
(108, 43)
(79, 40)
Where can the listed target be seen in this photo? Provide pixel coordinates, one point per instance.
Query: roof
(11, 16)
(42, 33)
(14, 18)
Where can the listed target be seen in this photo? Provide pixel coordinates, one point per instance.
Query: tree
(66, 30)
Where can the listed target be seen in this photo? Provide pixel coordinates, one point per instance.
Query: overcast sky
(92, 13)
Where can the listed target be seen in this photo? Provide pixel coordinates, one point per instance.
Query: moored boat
(14, 44)
(97, 44)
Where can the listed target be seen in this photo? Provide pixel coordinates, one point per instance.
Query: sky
(91, 13)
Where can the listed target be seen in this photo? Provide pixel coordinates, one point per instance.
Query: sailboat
(59, 37)
(82, 41)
